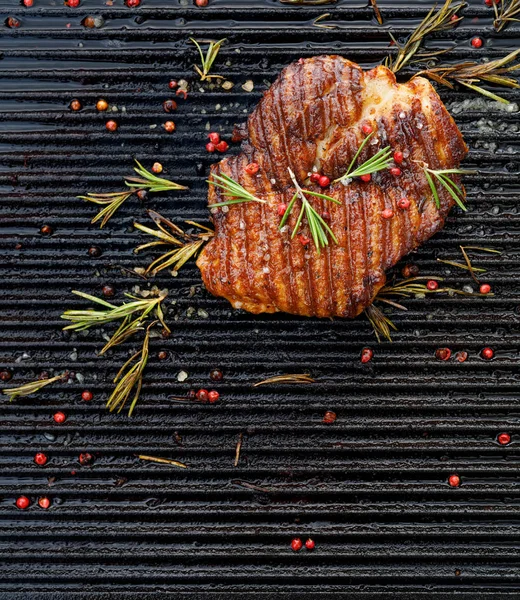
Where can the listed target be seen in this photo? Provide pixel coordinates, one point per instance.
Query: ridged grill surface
(370, 489)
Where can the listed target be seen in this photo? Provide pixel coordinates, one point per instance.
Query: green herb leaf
(233, 190)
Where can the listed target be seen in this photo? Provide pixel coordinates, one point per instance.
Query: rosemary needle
(236, 193)
(208, 59)
(378, 162)
(30, 388)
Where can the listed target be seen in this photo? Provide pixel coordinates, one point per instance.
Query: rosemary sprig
(381, 324)
(435, 20)
(378, 162)
(31, 388)
(165, 461)
(84, 319)
(317, 225)
(111, 201)
(187, 245)
(469, 73)
(208, 60)
(149, 181)
(377, 12)
(468, 266)
(442, 176)
(506, 13)
(130, 381)
(291, 378)
(318, 22)
(233, 190)
(460, 265)
(238, 448)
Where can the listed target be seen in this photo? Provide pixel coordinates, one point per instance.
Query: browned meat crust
(311, 118)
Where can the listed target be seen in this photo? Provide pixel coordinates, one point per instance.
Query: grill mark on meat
(312, 115)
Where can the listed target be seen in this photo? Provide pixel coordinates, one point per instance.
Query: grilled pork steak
(312, 119)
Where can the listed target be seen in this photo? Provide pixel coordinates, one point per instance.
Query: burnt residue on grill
(371, 488)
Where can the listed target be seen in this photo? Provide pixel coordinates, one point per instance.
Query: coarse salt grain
(182, 376)
(402, 115)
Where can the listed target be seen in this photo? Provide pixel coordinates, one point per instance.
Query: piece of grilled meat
(311, 119)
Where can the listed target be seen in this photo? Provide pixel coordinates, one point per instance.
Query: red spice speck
(214, 137)
(142, 195)
(490, 2)
(111, 125)
(60, 417)
(169, 106)
(398, 157)
(325, 215)
(12, 22)
(304, 240)
(182, 92)
(485, 288)
(75, 105)
(487, 353)
(315, 177)
(213, 396)
(210, 147)
(157, 167)
(454, 480)
(296, 544)
(366, 355)
(132, 3)
(46, 230)
(310, 544)
(461, 356)
(201, 3)
(410, 270)
(222, 146)
(44, 502)
(403, 203)
(282, 207)
(366, 128)
(40, 458)
(366, 178)
(28, 3)
(202, 395)
(173, 84)
(443, 353)
(388, 213)
(95, 251)
(324, 181)
(329, 417)
(5, 375)
(252, 168)
(432, 285)
(395, 171)
(72, 3)
(162, 355)
(102, 105)
(85, 459)
(169, 126)
(477, 42)
(108, 291)
(454, 18)
(503, 439)
(216, 375)
(87, 395)
(23, 502)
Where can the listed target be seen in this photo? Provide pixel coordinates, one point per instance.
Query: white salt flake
(182, 376)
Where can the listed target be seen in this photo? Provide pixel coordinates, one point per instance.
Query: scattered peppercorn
(169, 106)
(94, 251)
(210, 147)
(252, 168)
(282, 207)
(366, 128)
(12, 22)
(487, 353)
(315, 177)
(23, 502)
(5, 375)
(490, 2)
(46, 230)
(191, 395)
(162, 355)
(304, 240)
(329, 417)
(182, 92)
(388, 213)
(477, 42)
(485, 288)
(201, 3)
(325, 215)
(202, 395)
(366, 178)
(87, 395)
(398, 157)
(172, 84)
(43, 375)
(73, 3)
(222, 146)
(443, 353)
(157, 167)
(324, 181)
(454, 18)
(44, 502)
(108, 291)
(216, 375)
(40, 458)
(102, 105)
(214, 137)
(142, 195)
(296, 544)
(28, 3)
(213, 396)
(132, 3)
(310, 544)
(395, 171)
(60, 417)
(75, 105)
(403, 203)
(503, 439)
(169, 126)
(410, 270)
(454, 480)
(85, 459)
(432, 285)
(165, 333)
(461, 356)
(366, 355)
(111, 125)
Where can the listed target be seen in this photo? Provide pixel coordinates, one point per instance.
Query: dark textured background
(372, 488)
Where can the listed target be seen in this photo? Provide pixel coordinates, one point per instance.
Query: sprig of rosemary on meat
(506, 13)
(469, 73)
(435, 20)
(114, 200)
(31, 388)
(378, 162)
(233, 190)
(317, 225)
(207, 60)
(442, 177)
(187, 244)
